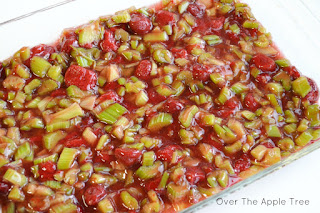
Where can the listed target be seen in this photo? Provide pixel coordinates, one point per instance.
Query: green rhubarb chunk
(47, 86)
(121, 17)
(163, 56)
(301, 86)
(224, 95)
(22, 71)
(141, 98)
(177, 192)
(187, 137)
(105, 206)
(212, 39)
(248, 115)
(16, 194)
(218, 78)
(284, 78)
(186, 116)
(67, 158)
(275, 88)
(111, 114)
(129, 201)
(39, 66)
(303, 126)
(35, 123)
(164, 180)
(233, 148)
(54, 72)
(250, 24)
(150, 142)
(89, 34)
(52, 158)
(290, 117)
(148, 172)
(148, 158)
(75, 92)
(212, 181)
(208, 120)
(283, 62)
(23, 151)
(68, 113)
(3, 161)
(304, 139)
(53, 184)
(58, 125)
(273, 131)
(64, 208)
(15, 177)
(165, 90)
(156, 37)
(224, 133)
(286, 144)
(274, 102)
(312, 112)
(159, 121)
(223, 178)
(239, 88)
(206, 152)
(51, 140)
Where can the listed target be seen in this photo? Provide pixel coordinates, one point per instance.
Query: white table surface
(295, 26)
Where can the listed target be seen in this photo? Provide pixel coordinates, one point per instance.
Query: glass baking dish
(297, 37)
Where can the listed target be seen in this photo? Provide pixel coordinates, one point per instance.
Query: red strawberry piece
(110, 95)
(217, 23)
(42, 50)
(152, 184)
(140, 24)
(197, 9)
(4, 188)
(234, 38)
(293, 72)
(104, 157)
(313, 95)
(155, 97)
(70, 39)
(195, 175)
(264, 62)
(165, 153)
(143, 70)
(164, 17)
(232, 103)
(59, 92)
(47, 170)
(173, 105)
(109, 43)
(83, 78)
(263, 79)
(212, 140)
(179, 53)
(94, 194)
(251, 103)
(242, 163)
(128, 156)
(201, 72)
